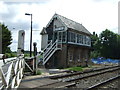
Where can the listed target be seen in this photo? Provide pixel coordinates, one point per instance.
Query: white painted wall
(58, 24)
(44, 41)
(21, 35)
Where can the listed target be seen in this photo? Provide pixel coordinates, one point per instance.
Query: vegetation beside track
(75, 69)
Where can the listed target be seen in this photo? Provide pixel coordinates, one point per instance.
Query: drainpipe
(67, 48)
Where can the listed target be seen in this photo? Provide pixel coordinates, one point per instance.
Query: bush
(39, 72)
(13, 55)
(75, 68)
(94, 54)
(9, 55)
(26, 55)
(61, 67)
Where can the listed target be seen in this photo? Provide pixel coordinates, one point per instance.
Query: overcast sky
(95, 15)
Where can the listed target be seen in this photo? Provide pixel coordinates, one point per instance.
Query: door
(55, 36)
(59, 36)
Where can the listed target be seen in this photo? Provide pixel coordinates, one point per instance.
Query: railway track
(79, 73)
(104, 83)
(92, 74)
(76, 79)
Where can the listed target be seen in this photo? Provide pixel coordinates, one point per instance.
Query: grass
(75, 68)
(41, 56)
(9, 55)
(39, 72)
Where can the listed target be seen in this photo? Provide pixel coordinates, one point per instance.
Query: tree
(6, 39)
(118, 47)
(95, 45)
(108, 44)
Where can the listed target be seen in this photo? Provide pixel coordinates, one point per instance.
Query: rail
(48, 46)
(78, 73)
(102, 83)
(11, 73)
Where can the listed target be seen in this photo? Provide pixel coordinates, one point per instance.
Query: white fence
(12, 72)
(6, 60)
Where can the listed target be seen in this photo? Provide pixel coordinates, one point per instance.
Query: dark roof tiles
(72, 24)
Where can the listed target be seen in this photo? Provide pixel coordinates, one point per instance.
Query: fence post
(35, 58)
(21, 36)
(3, 77)
(0, 39)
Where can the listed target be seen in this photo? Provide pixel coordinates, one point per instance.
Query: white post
(21, 36)
(0, 39)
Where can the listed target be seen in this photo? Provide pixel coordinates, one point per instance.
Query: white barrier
(12, 72)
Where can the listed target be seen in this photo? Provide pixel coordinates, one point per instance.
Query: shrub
(39, 72)
(75, 69)
(8, 55)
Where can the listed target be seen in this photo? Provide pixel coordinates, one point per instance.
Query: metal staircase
(50, 49)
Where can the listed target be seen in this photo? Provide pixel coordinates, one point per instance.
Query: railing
(37, 61)
(49, 51)
(48, 46)
(39, 57)
(12, 72)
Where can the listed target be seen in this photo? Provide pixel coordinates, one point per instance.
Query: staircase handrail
(47, 46)
(50, 47)
(47, 58)
(50, 50)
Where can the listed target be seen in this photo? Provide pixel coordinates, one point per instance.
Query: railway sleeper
(77, 73)
(102, 83)
(87, 76)
(68, 85)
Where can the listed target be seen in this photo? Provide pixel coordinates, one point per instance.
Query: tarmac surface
(34, 81)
